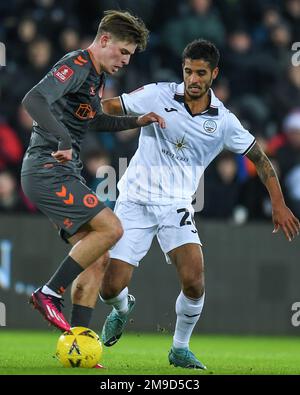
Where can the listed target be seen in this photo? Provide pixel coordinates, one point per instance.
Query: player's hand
(62, 156)
(149, 118)
(283, 218)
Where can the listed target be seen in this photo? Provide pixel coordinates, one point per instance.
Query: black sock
(64, 275)
(81, 315)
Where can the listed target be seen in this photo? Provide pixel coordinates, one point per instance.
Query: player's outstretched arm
(106, 122)
(112, 106)
(282, 216)
(110, 123)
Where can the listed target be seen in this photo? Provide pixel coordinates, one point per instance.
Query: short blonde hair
(124, 27)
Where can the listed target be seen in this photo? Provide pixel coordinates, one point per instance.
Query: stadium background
(251, 274)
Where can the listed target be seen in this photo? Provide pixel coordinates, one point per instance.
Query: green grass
(24, 352)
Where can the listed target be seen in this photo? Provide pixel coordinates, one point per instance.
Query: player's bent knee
(114, 234)
(111, 226)
(80, 292)
(110, 289)
(193, 293)
(83, 288)
(117, 231)
(109, 292)
(194, 289)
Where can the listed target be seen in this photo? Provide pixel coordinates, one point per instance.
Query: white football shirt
(169, 163)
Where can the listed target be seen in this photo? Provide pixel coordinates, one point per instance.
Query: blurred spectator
(292, 14)
(11, 148)
(163, 13)
(39, 55)
(232, 13)
(222, 90)
(140, 8)
(69, 40)
(221, 189)
(11, 199)
(202, 21)
(288, 157)
(23, 125)
(126, 144)
(248, 69)
(285, 94)
(20, 80)
(27, 30)
(270, 18)
(253, 113)
(238, 63)
(280, 46)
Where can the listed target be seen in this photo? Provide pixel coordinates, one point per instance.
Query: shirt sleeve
(236, 138)
(110, 123)
(141, 100)
(39, 110)
(63, 78)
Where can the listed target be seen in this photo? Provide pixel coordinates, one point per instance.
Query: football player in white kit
(157, 188)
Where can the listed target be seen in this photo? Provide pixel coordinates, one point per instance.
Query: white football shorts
(173, 225)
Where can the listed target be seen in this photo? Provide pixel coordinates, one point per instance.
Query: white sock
(119, 302)
(188, 313)
(48, 291)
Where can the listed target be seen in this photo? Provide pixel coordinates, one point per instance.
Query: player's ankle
(48, 291)
(180, 345)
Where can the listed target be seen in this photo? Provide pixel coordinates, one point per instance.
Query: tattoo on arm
(262, 163)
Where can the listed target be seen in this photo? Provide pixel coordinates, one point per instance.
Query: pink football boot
(50, 307)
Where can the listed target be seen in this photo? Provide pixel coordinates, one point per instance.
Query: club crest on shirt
(210, 126)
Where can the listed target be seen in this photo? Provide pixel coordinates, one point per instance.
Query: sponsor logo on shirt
(63, 73)
(171, 109)
(85, 111)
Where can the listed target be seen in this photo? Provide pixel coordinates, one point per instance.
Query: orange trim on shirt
(97, 68)
(77, 62)
(81, 59)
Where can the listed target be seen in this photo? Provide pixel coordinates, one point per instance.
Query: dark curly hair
(202, 49)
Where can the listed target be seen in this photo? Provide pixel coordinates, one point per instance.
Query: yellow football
(79, 348)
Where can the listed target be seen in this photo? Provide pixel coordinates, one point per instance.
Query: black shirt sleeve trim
(123, 105)
(249, 148)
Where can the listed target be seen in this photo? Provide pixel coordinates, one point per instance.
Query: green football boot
(184, 358)
(115, 323)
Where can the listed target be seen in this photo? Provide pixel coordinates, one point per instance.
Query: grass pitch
(24, 352)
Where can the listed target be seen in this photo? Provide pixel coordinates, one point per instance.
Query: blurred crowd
(258, 82)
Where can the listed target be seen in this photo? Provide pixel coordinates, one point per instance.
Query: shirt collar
(214, 101)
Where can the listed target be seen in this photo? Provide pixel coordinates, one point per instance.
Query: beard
(203, 91)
